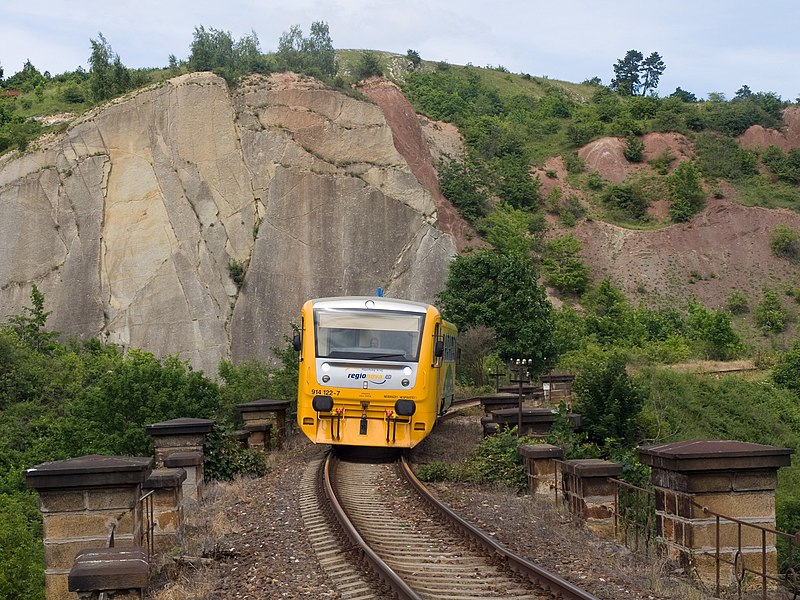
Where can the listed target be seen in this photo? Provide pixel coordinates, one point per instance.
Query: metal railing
(750, 563)
(761, 559)
(144, 524)
(634, 515)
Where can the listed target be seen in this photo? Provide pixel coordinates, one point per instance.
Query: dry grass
(187, 573)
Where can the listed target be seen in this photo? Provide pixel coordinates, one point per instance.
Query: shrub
(368, 65)
(625, 199)
(461, 183)
(608, 400)
(785, 242)
(722, 156)
(737, 303)
(787, 372)
(712, 331)
(496, 459)
(438, 471)
(573, 163)
(22, 558)
(237, 272)
(634, 148)
(662, 162)
(686, 191)
(769, 314)
(225, 458)
(594, 181)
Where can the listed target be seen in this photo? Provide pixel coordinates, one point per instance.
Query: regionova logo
(376, 376)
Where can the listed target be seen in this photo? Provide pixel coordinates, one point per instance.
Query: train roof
(377, 302)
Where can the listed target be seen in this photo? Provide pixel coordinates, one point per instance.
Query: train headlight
(326, 378)
(406, 371)
(405, 382)
(325, 367)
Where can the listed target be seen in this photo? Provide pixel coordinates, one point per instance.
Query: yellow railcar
(374, 371)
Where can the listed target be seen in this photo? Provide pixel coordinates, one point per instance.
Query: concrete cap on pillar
(95, 470)
(540, 451)
(182, 426)
(712, 455)
(263, 404)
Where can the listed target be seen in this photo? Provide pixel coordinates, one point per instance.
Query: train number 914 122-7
(322, 392)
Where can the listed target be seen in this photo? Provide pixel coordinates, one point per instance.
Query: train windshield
(368, 334)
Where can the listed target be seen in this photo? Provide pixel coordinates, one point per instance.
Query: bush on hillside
(787, 372)
(785, 242)
(686, 191)
(769, 313)
(562, 264)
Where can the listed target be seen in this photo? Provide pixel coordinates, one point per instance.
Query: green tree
(508, 229)
(320, 46)
(686, 192)
(626, 73)
(368, 65)
(651, 70)
(108, 77)
(215, 50)
(634, 74)
(210, 49)
(501, 291)
(313, 55)
(634, 148)
(787, 372)
(609, 316)
(412, 55)
(514, 182)
(21, 550)
(608, 400)
(29, 326)
(462, 184)
(27, 79)
(562, 264)
(683, 95)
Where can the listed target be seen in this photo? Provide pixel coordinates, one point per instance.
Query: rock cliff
(130, 221)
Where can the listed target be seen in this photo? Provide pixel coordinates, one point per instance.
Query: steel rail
(554, 584)
(384, 571)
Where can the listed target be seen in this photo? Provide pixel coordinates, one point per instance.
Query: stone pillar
(167, 487)
(541, 468)
(82, 500)
(557, 388)
(589, 494)
(734, 479)
(536, 422)
(184, 437)
(192, 465)
(262, 416)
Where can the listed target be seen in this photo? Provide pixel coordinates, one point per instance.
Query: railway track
(415, 546)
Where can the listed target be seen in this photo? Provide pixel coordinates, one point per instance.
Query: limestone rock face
(130, 221)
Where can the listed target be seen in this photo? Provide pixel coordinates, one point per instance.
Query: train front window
(368, 334)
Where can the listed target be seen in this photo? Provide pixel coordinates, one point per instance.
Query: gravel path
(247, 540)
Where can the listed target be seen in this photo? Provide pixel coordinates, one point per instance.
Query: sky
(708, 46)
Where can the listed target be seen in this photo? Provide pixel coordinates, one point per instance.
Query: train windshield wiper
(395, 355)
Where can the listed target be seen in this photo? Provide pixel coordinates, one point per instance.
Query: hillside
(194, 216)
(195, 219)
(722, 249)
